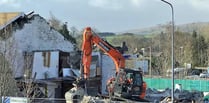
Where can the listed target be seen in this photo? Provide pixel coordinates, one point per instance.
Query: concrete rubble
(90, 99)
(154, 96)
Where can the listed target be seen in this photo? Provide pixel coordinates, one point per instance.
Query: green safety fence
(186, 84)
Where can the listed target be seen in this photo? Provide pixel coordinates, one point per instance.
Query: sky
(113, 15)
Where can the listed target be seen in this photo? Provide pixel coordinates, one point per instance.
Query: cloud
(136, 3)
(12, 3)
(196, 4)
(65, 1)
(106, 4)
(200, 4)
(115, 4)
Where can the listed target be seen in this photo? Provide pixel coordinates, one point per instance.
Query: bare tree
(54, 22)
(7, 81)
(74, 31)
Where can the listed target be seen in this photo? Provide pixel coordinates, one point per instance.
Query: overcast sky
(113, 15)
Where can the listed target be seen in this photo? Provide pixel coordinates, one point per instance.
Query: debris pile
(91, 99)
(164, 96)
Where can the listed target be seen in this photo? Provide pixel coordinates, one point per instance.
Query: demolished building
(23, 38)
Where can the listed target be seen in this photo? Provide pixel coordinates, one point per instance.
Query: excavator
(127, 83)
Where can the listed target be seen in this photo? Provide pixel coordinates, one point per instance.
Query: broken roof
(32, 32)
(7, 18)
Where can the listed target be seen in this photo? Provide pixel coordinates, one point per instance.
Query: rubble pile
(91, 99)
(154, 95)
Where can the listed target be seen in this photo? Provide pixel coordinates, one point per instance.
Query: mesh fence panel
(187, 84)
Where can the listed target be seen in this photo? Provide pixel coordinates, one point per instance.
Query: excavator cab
(128, 84)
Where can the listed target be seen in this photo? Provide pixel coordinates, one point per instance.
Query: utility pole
(150, 64)
(172, 48)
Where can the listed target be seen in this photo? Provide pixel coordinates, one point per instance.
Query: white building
(26, 39)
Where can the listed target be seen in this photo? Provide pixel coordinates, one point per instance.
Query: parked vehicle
(204, 75)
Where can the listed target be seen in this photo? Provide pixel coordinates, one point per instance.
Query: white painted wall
(34, 35)
(38, 65)
(94, 65)
(108, 71)
(143, 64)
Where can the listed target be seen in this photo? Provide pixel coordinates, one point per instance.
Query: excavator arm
(90, 39)
(117, 85)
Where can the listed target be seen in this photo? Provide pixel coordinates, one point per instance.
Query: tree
(199, 50)
(54, 22)
(8, 85)
(202, 51)
(182, 48)
(74, 31)
(7, 81)
(65, 32)
(165, 48)
(62, 28)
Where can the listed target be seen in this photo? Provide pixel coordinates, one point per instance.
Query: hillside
(162, 27)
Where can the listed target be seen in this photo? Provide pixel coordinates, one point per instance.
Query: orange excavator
(128, 83)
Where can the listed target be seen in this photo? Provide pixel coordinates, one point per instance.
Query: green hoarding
(187, 84)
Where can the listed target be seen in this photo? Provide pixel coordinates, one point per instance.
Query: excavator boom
(89, 39)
